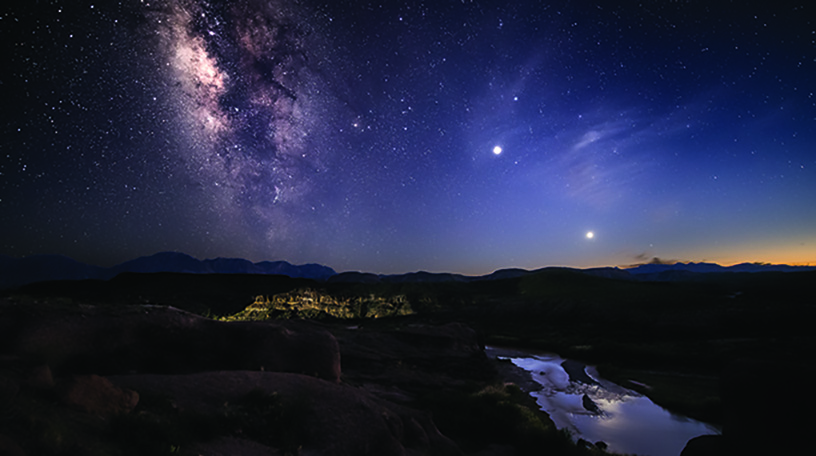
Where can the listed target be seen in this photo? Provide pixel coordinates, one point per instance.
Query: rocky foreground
(157, 380)
(144, 379)
(95, 368)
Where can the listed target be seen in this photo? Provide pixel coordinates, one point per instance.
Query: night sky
(460, 135)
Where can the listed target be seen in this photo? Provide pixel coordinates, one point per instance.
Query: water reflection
(625, 420)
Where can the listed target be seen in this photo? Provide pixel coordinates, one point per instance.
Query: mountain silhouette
(16, 272)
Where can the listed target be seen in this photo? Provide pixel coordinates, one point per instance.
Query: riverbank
(593, 409)
(692, 394)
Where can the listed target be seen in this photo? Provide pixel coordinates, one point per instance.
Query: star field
(460, 136)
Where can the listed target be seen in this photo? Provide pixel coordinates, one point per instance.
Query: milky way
(248, 88)
(458, 136)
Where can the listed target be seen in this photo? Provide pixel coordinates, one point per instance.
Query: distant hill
(16, 272)
(423, 276)
(689, 271)
(162, 262)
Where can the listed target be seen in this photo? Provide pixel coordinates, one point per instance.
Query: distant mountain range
(684, 271)
(16, 272)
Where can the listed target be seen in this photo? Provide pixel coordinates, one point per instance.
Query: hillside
(688, 345)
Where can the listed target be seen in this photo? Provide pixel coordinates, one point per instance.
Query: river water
(625, 420)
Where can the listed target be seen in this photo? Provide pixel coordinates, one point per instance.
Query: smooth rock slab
(334, 419)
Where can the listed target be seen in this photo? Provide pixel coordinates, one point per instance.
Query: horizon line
(653, 261)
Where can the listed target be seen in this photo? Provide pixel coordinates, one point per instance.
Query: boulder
(97, 395)
(577, 372)
(705, 445)
(590, 405)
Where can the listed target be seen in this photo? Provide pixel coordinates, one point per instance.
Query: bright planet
(497, 150)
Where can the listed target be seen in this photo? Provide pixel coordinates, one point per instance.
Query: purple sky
(362, 135)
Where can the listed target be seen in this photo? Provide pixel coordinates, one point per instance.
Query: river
(595, 409)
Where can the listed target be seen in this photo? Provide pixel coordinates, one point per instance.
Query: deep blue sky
(361, 135)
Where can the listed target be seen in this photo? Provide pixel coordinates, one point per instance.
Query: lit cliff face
(314, 304)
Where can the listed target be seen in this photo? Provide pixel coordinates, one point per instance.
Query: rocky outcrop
(98, 396)
(590, 405)
(316, 416)
(167, 340)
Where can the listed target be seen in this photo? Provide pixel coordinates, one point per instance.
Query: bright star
(590, 235)
(497, 150)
